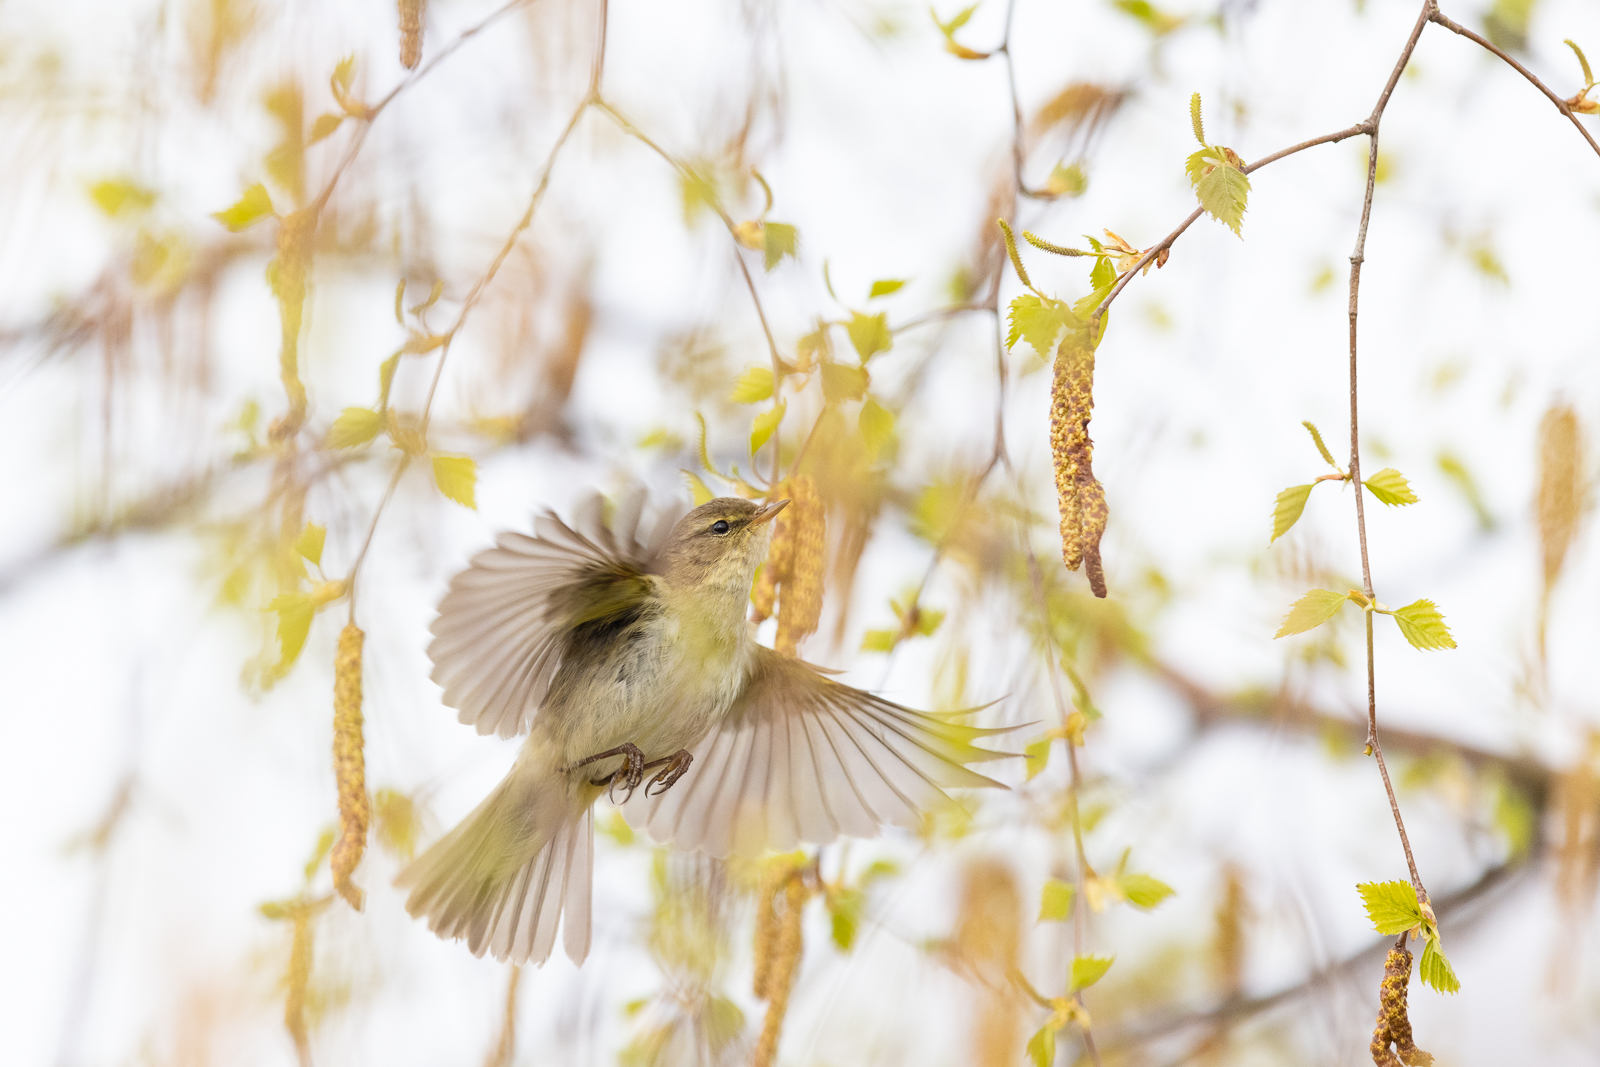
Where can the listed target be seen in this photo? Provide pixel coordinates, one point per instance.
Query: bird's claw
(677, 765)
(630, 774)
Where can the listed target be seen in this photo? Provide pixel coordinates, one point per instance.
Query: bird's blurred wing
(804, 758)
(504, 624)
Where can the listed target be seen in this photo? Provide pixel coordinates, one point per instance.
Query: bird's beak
(768, 512)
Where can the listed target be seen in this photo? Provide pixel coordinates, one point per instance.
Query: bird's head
(715, 549)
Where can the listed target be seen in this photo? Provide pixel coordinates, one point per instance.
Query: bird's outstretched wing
(504, 625)
(804, 758)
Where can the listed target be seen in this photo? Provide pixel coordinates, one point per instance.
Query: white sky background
(113, 654)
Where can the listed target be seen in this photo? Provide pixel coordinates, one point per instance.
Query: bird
(622, 646)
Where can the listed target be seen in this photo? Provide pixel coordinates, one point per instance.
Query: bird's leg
(677, 765)
(631, 771)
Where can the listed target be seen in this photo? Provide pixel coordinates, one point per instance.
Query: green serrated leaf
(840, 381)
(1291, 503)
(1316, 437)
(885, 286)
(779, 240)
(1039, 321)
(1436, 971)
(1392, 906)
(1042, 1046)
(1423, 626)
(251, 208)
(1144, 891)
(1087, 970)
(354, 426)
(876, 424)
(1311, 611)
(457, 478)
(1055, 900)
(1223, 189)
(869, 334)
(324, 126)
(1037, 756)
(880, 640)
(1390, 487)
(764, 426)
(698, 489)
(309, 543)
(753, 386)
(1104, 274)
(294, 623)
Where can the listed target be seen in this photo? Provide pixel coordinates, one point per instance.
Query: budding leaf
(780, 239)
(1392, 906)
(1103, 274)
(840, 381)
(1039, 321)
(1221, 186)
(1317, 437)
(886, 286)
(1144, 891)
(1042, 1046)
(869, 334)
(1390, 487)
(309, 543)
(1436, 971)
(386, 379)
(753, 386)
(765, 424)
(294, 623)
(457, 478)
(1087, 970)
(1423, 626)
(324, 126)
(251, 208)
(354, 426)
(1291, 503)
(1037, 756)
(876, 424)
(1311, 611)
(1055, 901)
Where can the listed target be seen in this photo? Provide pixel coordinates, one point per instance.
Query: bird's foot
(676, 766)
(630, 774)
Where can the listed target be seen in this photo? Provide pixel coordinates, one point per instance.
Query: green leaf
(1392, 906)
(121, 196)
(1291, 502)
(956, 22)
(354, 426)
(1042, 1046)
(876, 424)
(1104, 274)
(1436, 971)
(880, 640)
(1055, 900)
(294, 623)
(1316, 436)
(324, 126)
(1039, 321)
(1222, 188)
(457, 478)
(1065, 180)
(252, 207)
(844, 908)
(1087, 970)
(780, 240)
(1311, 611)
(1583, 61)
(1144, 891)
(698, 489)
(753, 386)
(386, 379)
(1195, 120)
(698, 191)
(764, 426)
(344, 74)
(1423, 626)
(1390, 487)
(885, 286)
(869, 333)
(309, 543)
(928, 620)
(1084, 308)
(1037, 755)
(840, 381)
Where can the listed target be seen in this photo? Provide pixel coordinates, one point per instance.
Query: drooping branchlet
(349, 765)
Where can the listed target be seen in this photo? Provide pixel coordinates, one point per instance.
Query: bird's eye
(720, 527)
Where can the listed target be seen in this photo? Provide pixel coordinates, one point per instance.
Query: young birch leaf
(779, 240)
(386, 379)
(698, 489)
(840, 381)
(354, 426)
(309, 543)
(1038, 321)
(1316, 437)
(869, 334)
(885, 286)
(121, 197)
(844, 909)
(1042, 1046)
(1311, 611)
(1087, 970)
(765, 424)
(1436, 971)
(1224, 192)
(1390, 487)
(1037, 756)
(1392, 906)
(1055, 900)
(880, 640)
(1144, 891)
(1103, 274)
(324, 126)
(1291, 503)
(251, 208)
(876, 424)
(1423, 626)
(457, 478)
(753, 386)
(294, 623)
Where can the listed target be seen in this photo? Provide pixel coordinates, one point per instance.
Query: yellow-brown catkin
(988, 939)
(782, 964)
(1394, 1025)
(504, 1050)
(411, 15)
(1081, 497)
(800, 606)
(767, 925)
(349, 765)
(297, 980)
(1232, 915)
(780, 557)
(289, 273)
